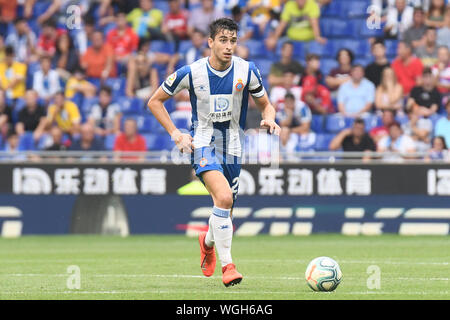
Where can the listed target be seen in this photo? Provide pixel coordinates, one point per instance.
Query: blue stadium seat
(391, 48)
(332, 28)
(354, 9)
(109, 141)
(117, 85)
(360, 48)
(323, 50)
(162, 46)
(361, 30)
(130, 105)
(185, 45)
(182, 123)
(299, 50)
(333, 9)
(372, 121)
(326, 65)
(323, 141)
(87, 105)
(257, 49)
(26, 142)
(335, 123)
(162, 5)
(95, 81)
(264, 66)
(317, 123)
(20, 104)
(40, 7)
(158, 142)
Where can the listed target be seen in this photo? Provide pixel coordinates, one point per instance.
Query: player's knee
(224, 200)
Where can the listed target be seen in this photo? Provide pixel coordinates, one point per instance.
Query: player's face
(223, 45)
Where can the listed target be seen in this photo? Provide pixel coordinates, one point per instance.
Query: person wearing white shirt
(396, 142)
(399, 19)
(46, 80)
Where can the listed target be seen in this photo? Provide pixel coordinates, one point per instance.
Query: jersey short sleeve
(177, 81)
(255, 86)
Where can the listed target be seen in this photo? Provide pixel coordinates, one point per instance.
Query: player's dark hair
(222, 24)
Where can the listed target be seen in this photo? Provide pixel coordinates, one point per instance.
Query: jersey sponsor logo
(221, 107)
(171, 79)
(239, 85)
(203, 162)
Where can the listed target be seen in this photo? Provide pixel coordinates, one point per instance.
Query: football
(323, 274)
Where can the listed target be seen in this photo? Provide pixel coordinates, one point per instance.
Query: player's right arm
(156, 105)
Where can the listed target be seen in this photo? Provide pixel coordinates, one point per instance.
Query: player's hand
(183, 141)
(272, 126)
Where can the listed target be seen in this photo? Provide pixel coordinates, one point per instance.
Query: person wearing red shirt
(98, 60)
(387, 119)
(175, 24)
(46, 44)
(130, 140)
(122, 39)
(407, 67)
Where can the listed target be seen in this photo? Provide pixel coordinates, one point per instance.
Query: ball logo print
(323, 274)
(221, 104)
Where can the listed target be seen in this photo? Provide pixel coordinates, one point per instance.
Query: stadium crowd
(351, 75)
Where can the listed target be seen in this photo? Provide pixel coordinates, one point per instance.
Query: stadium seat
(182, 123)
(333, 9)
(323, 141)
(185, 45)
(391, 48)
(299, 50)
(317, 123)
(117, 85)
(323, 50)
(87, 105)
(361, 30)
(20, 104)
(335, 123)
(162, 5)
(257, 49)
(354, 9)
(372, 121)
(264, 66)
(162, 46)
(109, 141)
(326, 65)
(130, 105)
(40, 7)
(158, 142)
(332, 28)
(360, 48)
(26, 142)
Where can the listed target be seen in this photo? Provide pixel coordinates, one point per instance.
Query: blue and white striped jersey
(219, 100)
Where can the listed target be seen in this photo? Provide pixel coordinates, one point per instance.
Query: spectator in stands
(341, 74)
(245, 24)
(106, 115)
(253, 117)
(175, 25)
(46, 45)
(435, 16)
(356, 97)
(262, 12)
(130, 139)
(46, 80)
(441, 71)
(32, 117)
(427, 53)
(286, 64)
(57, 143)
(374, 70)
(353, 139)
(98, 60)
(87, 141)
(142, 76)
(399, 19)
(301, 17)
(396, 142)
(126, 6)
(12, 146)
(316, 95)
(387, 118)
(8, 11)
(146, 20)
(443, 33)
(278, 93)
(442, 127)
(5, 111)
(66, 58)
(407, 68)
(414, 35)
(78, 84)
(201, 18)
(65, 114)
(439, 150)
(419, 129)
(295, 123)
(23, 39)
(122, 39)
(389, 94)
(12, 75)
(425, 99)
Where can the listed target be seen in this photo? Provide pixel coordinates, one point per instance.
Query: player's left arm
(268, 114)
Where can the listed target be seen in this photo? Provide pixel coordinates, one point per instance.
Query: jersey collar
(217, 72)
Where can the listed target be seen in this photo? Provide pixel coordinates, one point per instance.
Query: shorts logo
(239, 85)
(203, 162)
(171, 79)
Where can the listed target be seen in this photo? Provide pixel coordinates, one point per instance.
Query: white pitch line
(203, 277)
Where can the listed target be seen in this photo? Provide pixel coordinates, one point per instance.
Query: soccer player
(219, 88)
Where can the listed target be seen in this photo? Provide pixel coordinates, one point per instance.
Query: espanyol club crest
(239, 85)
(203, 162)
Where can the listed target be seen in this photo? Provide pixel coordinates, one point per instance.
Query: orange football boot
(230, 276)
(207, 256)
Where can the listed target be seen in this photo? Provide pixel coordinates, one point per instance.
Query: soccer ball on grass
(323, 274)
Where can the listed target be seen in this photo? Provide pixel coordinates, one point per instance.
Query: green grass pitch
(167, 267)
